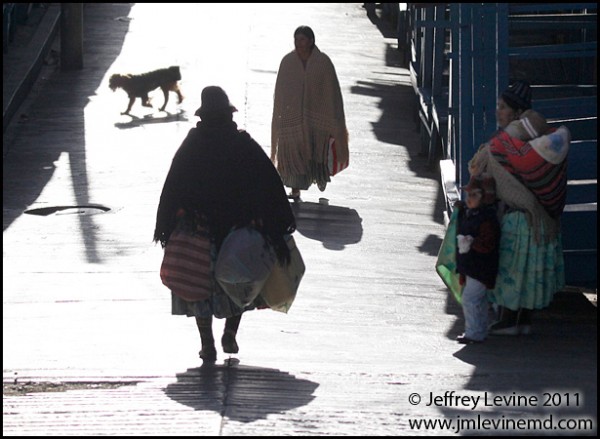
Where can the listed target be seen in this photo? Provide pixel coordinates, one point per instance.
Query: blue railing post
(465, 113)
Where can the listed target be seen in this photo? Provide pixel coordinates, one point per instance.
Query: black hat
(214, 102)
(518, 96)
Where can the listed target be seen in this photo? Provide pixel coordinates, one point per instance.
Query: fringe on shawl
(539, 164)
(291, 163)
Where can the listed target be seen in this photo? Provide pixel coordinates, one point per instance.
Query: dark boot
(507, 324)
(208, 352)
(294, 194)
(228, 342)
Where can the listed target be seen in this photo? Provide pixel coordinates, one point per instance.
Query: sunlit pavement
(372, 325)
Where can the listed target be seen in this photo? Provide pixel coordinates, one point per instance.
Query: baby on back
(530, 125)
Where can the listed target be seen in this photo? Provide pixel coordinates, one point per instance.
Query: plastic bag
(280, 289)
(445, 265)
(243, 265)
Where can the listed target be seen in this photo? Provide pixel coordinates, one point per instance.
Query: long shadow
(381, 19)
(397, 105)
(151, 119)
(240, 393)
(335, 226)
(396, 124)
(55, 127)
(557, 364)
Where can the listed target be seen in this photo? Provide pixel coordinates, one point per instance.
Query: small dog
(138, 86)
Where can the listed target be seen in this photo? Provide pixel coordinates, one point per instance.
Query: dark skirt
(318, 174)
(218, 304)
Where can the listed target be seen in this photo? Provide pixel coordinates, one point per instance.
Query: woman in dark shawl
(221, 178)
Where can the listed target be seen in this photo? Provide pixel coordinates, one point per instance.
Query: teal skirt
(529, 272)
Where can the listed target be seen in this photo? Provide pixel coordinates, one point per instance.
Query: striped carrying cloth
(539, 164)
(186, 266)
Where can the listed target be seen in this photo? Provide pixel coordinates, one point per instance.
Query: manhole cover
(68, 210)
(19, 389)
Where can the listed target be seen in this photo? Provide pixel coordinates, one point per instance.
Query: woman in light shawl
(531, 180)
(308, 110)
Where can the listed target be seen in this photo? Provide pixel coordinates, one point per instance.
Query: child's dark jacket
(481, 261)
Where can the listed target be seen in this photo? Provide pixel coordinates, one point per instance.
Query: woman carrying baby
(528, 161)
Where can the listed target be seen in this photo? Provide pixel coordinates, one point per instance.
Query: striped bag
(333, 162)
(185, 268)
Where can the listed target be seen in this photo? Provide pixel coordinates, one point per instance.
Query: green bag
(445, 265)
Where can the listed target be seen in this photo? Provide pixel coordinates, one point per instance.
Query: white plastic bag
(464, 243)
(243, 265)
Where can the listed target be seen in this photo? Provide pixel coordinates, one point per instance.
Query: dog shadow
(154, 118)
(335, 226)
(240, 393)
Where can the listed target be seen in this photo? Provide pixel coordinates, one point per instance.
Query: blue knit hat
(518, 96)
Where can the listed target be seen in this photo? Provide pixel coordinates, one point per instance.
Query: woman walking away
(220, 179)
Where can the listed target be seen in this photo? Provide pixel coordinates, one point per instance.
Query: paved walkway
(372, 330)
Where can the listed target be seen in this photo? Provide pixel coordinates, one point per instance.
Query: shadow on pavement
(397, 118)
(564, 339)
(335, 226)
(397, 124)
(431, 245)
(162, 117)
(382, 20)
(241, 393)
(59, 114)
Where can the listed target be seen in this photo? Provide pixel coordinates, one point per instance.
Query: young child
(478, 239)
(530, 125)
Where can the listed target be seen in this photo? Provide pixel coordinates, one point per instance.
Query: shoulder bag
(186, 267)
